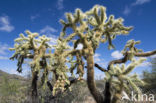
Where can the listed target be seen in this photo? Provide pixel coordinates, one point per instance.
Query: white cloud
(60, 4)
(3, 58)
(99, 60)
(102, 64)
(145, 64)
(153, 56)
(116, 54)
(3, 51)
(33, 17)
(48, 30)
(80, 46)
(53, 40)
(140, 2)
(97, 57)
(3, 48)
(5, 24)
(127, 10)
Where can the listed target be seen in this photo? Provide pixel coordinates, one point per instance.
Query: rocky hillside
(11, 77)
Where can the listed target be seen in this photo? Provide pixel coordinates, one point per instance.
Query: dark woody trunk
(34, 86)
(107, 93)
(90, 78)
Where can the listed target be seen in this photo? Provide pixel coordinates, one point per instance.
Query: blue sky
(43, 16)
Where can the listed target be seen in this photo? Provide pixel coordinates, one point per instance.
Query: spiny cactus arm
(125, 58)
(145, 54)
(72, 20)
(100, 68)
(118, 61)
(70, 37)
(72, 68)
(109, 41)
(133, 65)
(31, 37)
(65, 26)
(127, 54)
(117, 96)
(19, 64)
(126, 89)
(80, 65)
(43, 41)
(30, 56)
(46, 67)
(73, 81)
(134, 86)
(137, 80)
(33, 44)
(130, 46)
(116, 26)
(74, 52)
(121, 81)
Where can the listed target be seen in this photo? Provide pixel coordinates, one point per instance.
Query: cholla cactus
(60, 69)
(31, 47)
(131, 49)
(89, 28)
(92, 28)
(59, 63)
(27, 47)
(120, 80)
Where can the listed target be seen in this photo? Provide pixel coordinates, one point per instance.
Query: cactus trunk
(34, 85)
(90, 78)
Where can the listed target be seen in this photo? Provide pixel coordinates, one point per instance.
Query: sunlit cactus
(122, 81)
(89, 29)
(131, 49)
(58, 63)
(94, 27)
(32, 47)
(61, 57)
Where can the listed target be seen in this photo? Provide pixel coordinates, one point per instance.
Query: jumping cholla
(88, 29)
(32, 47)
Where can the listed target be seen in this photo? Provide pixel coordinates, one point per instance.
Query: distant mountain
(12, 77)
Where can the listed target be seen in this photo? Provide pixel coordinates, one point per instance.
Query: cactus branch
(145, 54)
(125, 58)
(100, 68)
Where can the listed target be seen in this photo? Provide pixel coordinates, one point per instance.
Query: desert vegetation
(54, 67)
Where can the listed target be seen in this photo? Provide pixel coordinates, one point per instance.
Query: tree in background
(88, 29)
(150, 77)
